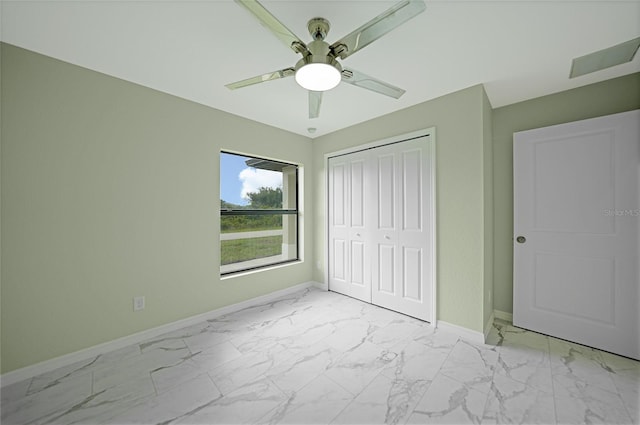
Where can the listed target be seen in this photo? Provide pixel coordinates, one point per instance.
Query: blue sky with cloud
(236, 179)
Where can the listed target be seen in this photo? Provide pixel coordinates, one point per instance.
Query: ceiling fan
(319, 69)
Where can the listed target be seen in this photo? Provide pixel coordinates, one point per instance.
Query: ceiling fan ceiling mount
(318, 28)
(319, 69)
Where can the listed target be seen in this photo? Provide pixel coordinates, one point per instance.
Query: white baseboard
(503, 315)
(91, 352)
(465, 333)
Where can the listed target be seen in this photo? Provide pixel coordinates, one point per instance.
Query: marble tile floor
(317, 357)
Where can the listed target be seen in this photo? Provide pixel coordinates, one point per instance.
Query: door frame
(429, 132)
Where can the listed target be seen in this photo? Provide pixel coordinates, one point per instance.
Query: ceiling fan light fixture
(318, 76)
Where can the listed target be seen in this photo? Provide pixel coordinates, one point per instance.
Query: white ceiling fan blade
(377, 27)
(315, 100)
(274, 25)
(357, 78)
(283, 73)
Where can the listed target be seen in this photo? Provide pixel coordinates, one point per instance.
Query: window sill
(259, 269)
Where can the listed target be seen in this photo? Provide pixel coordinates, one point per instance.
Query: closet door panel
(349, 266)
(412, 275)
(357, 194)
(386, 177)
(338, 189)
(358, 263)
(386, 269)
(412, 190)
(402, 287)
(339, 264)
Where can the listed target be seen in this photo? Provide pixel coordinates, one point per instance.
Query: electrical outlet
(138, 303)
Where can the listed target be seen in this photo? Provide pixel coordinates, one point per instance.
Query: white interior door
(349, 271)
(380, 226)
(576, 232)
(401, 228)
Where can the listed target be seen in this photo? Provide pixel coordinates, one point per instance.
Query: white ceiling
(191, 49)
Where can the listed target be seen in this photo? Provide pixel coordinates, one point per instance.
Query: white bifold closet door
(380, 226)
(349, 240)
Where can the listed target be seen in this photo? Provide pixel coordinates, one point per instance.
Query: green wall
(608, 97)
(1, 131)
(487, 175)
(460, 173)
(111, 190)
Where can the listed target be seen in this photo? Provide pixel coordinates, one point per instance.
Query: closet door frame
(430, 134)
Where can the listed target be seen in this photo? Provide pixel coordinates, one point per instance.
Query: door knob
(521, 239)
(387, 237)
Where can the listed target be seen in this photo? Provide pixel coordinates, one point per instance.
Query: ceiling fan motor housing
(318, 53)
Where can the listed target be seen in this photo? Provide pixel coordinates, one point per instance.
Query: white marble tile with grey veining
(200, 336)
(107, 360)
(448, 401)
(351, 334)
(320, 357)
(246, 404)
(296, 372)
(47, 403)
(505, 334)
(527, 365)
(416, 362)
(395, 332)
(168, 376)
(104, 404)
(276, 331)
(512, 402)
(318, 402)
(308, 334)
(246, 368)
(382, 317)
(215, 356)
(358, 367)
(575, 366)
(590, 405)
(625, 374)
(13, 392)
(140, 367)
(165, 342)
(180, 402)
(384, 401)
(472, 364)
(261, 314)
(436, 338)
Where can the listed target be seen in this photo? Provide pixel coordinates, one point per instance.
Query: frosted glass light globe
(318, 76)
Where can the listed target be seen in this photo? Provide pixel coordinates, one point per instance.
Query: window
(258, 213)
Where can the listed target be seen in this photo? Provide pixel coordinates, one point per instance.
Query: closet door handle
(388, 237)
(358, 234)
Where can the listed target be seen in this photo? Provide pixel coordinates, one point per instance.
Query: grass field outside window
(238, 250)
